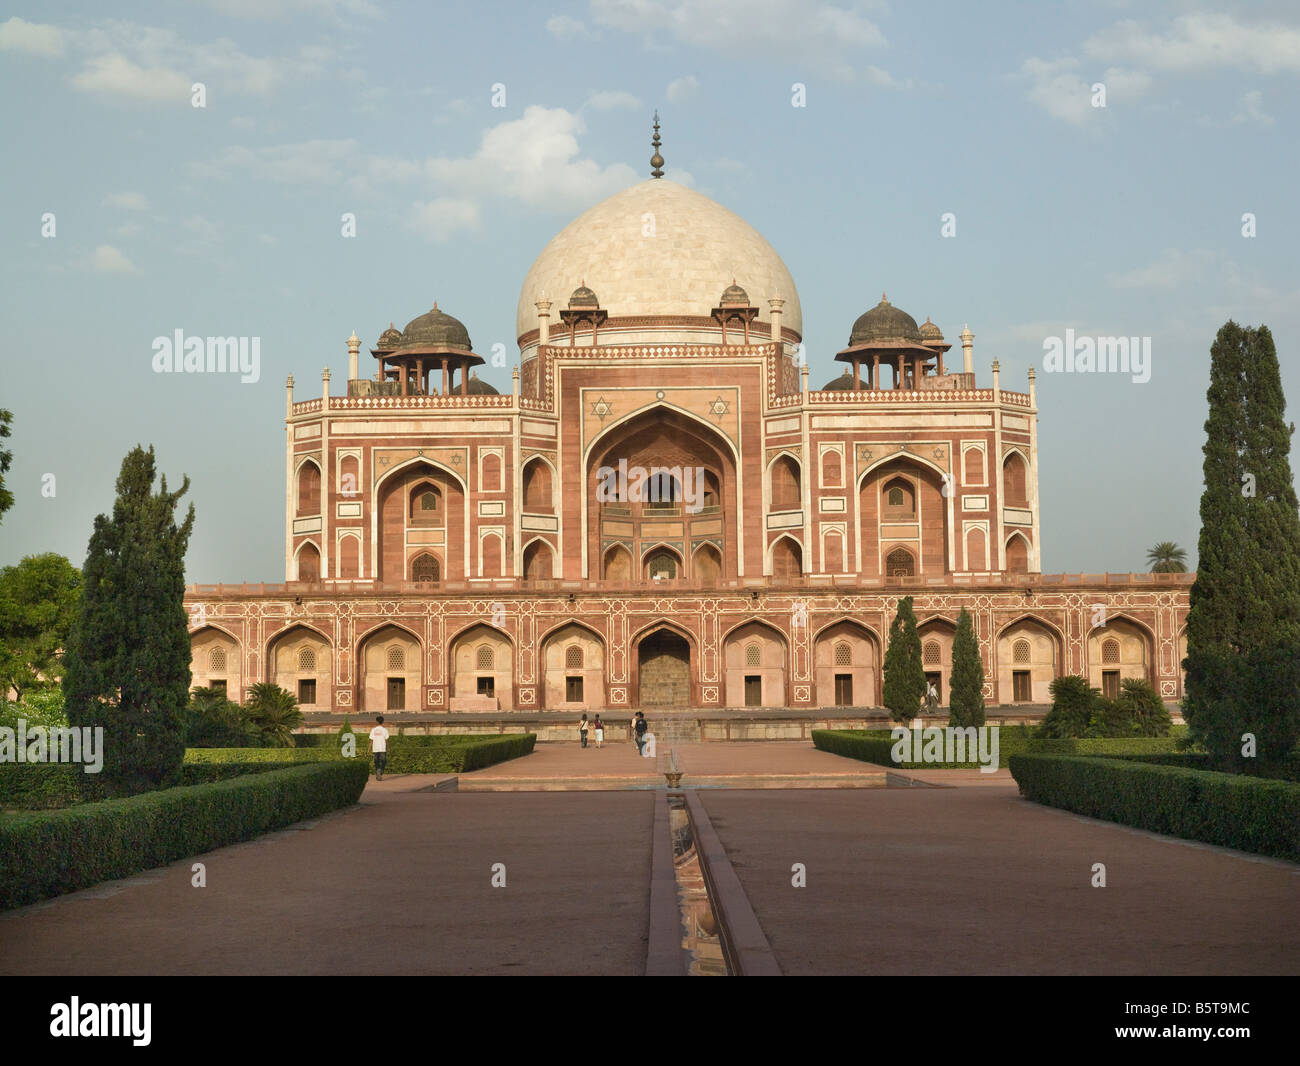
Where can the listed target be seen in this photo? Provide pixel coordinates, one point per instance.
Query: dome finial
(656, 160)
(883, 298)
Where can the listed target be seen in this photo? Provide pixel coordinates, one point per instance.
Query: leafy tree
(41, 706)
(1166, 557)
(966, 685)
(38, 602)
(213, 721)
(1140, 705)
(6, 459)
(127, 664)
(274, 714)
(1244, 624)
(1074, 703)
(904, 675)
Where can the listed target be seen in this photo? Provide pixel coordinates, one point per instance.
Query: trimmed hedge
(451, 753)
(1260, 815)
(252, 756)
(876, 746)
(48, 853)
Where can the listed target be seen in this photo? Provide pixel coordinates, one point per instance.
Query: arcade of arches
(754, 666)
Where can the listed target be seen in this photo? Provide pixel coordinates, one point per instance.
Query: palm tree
(1167, 558)
(275, 713)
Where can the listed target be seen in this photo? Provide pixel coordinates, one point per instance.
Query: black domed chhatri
(435, 329)
(930, 331)
(584, 298)
(884, 324)
(734, 296)
(843, 383)
(389, 339)
(479, 387)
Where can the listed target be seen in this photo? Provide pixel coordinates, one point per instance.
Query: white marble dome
(697, 249)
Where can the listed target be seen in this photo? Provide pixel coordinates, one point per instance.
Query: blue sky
(226, 220)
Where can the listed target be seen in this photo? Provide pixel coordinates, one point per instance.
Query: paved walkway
(968, 879)
(976, 880)
(401, 885)
(758, 764)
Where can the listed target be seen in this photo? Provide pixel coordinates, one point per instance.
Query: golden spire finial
(656, 160)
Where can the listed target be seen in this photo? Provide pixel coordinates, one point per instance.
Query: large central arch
(665, 667)
(694, 509)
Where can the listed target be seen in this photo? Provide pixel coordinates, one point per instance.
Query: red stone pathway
(968, 879)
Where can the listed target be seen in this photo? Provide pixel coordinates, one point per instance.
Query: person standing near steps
(582, 730)
(379, 745)
(641, 726)
(600, 731)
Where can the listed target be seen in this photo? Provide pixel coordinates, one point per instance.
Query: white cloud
(34, 38)
(109, 260)
(127, 201)
(148, 63)
(115, 75)
(786, 26)
(437, 220)
(1168, 270)
(304, 163)
(1250, 110)
(1201, 41)
(535, 160)
(1058, 87)
(612, 100)
(564, 27)
(281, 9)
(680, 89)
(885, 80)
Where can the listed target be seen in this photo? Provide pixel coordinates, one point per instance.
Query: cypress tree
(1243, 628)
(904, 675)
(966, 686)
(127, 665)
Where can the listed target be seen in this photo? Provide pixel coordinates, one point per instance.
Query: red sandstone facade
(453, 550)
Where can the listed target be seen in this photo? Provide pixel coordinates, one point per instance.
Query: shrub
(212, 721)
(904, 683)
(47, 853)
(406, 755)
(1248, 813)
(877, 746)
(274, 713)
(966, 696)
(1143, 708)
(39, 706)
(1073, 706)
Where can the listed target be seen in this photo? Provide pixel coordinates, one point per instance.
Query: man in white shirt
(379, 745)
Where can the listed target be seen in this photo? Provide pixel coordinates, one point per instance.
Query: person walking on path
(582, 730)
(379, 745)
(641, 726)
(600, 731)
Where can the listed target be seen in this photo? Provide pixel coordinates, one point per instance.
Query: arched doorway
(902, 502)
(390, 671)
(421, 517)
(662, 476)
(1117, 651)
(482, 671)
(573, 664)
(664, 670)
(215, 663)
(845, 666)
(755, 656)
(299, 661)
(936, 655)
(1029, 657)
